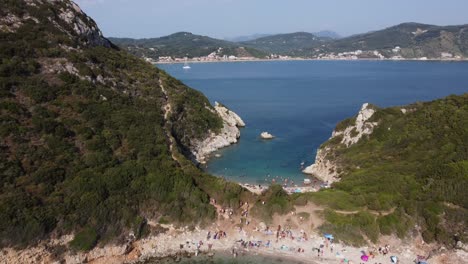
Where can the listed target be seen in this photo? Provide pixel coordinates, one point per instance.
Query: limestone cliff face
(352, 134)
(69, 19)
(80, 25)
(229, 134)
(326, 168)
(323, 168)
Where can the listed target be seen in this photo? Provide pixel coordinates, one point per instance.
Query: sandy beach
(258, 189)
(288, 237)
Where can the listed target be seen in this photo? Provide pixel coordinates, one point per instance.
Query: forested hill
(414, 40)
(85, 146)
(292, 44)
(406, 40)
(185, 44)
(409, 175)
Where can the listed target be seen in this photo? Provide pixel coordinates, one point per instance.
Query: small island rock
(266, 135)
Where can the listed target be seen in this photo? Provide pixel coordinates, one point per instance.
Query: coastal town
(395, 54)
(216, 56)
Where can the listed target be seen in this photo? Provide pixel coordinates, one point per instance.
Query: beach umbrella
(329, 236)
(364, 258)
(394, 259)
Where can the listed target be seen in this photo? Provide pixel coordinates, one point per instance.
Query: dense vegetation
(412, 170)
(185, 44)
(293, 44)
(415, 40)
(84, 143)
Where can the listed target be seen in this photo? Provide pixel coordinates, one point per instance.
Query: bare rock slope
(327, 169)
(229, 134)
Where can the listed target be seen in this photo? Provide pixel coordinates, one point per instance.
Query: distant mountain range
(185, 44)
(327, 34)
(323, 33)
(247, 37)
(407, 40)
(287, 44)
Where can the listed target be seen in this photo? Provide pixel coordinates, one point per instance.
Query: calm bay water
(223, 258)
(300, 102)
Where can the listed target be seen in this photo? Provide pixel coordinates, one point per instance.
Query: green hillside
(410, 174)
(292, 44)
(85, 146)
(414, 39)
(184, 44)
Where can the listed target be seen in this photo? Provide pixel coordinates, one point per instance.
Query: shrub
(85, 240)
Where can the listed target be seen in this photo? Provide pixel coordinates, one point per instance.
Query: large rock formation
(69, 19)
(323, 168)
(81, 25)
(352, 134)
(228, 135)
(327, 169)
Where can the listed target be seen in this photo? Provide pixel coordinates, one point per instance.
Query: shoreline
(258, 189)
(310, 59)
(297, 238)
(180, 244)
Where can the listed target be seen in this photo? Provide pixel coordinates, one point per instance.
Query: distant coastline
(311, 59)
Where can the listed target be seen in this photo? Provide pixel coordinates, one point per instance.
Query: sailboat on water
(186, 66)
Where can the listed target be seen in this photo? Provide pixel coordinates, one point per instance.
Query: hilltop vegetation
(184, 44)
(292, 44)
(85, 146)
(411, 173)
(415, 40)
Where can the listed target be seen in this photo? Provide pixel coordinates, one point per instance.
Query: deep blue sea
(300, 102)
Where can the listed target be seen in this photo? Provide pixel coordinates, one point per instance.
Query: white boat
(307, 181)
(186, 66)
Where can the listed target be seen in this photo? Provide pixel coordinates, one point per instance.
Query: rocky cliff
(68, 18)
(326, 167)
(228, 135)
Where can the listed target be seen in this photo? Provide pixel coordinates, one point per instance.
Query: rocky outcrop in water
(325, 167)
(266, 135)
(228, 135)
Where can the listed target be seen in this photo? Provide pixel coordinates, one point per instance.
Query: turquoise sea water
(224, 258)
(300, 102)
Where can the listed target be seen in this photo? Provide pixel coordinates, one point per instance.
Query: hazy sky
(230, 18)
